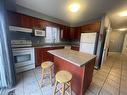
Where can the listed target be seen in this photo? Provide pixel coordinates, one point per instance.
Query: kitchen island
(80, 65)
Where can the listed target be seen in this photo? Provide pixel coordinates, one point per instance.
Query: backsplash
(36, 41)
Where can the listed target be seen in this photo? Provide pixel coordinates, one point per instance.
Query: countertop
(44, 46)
(75, 45)
(47, 46)
(72, 56)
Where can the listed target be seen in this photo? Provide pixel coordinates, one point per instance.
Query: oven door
(23, 57)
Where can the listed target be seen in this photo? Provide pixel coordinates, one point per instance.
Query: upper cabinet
(66, 32)
(20, 20)
(75, 32)
(14, 19)
(72, 33)
(92, 27)
(24, 21)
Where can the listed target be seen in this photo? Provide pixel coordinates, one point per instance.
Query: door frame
(124, 43)
(106, 46)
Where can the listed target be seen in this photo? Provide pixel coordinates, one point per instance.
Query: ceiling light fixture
(122, 29)
(74, 7)
(123, 13)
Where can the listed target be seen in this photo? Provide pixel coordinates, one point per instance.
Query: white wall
(116, 40)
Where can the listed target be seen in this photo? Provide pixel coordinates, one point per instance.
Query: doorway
(106, 46)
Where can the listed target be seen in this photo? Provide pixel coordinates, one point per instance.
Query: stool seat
(63, 76)
(46, 64)
(64, 79)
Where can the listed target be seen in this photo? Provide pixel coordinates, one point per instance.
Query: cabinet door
(46, 55)
(93, 27)
(77, 34)
(38, 56)
(64, 33)
(26, 21)
(72, 32)
(37, 23)
(75, 48)
(14, 19)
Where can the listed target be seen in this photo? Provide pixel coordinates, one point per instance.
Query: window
(52, 35)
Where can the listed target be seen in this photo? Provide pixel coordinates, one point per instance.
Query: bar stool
(63, 78)
(47, 65)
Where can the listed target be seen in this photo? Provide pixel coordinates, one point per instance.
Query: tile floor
(111, 79)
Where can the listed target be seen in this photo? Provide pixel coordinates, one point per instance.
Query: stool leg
(63, 89)
(51, 75)
(70, 88)
(55, 87)
(43, 71)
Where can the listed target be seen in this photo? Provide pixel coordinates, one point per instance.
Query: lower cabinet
(75, 47)
(38, 56)
(42, 55)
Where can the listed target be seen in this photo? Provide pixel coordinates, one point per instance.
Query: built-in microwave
(39, 32)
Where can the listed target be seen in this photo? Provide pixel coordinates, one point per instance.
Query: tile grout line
(37, 81)
(105, 79)
(23, 83)
(121, 73)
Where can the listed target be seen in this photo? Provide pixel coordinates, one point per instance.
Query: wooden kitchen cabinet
(42, 55)
(64, 33)
(92, 27)
(72, 33)
(26, 21)
(77, 33)
(75, 47)
(82, 74)
(14, 19)
(38, 56)
(46, 55)
(22, 20)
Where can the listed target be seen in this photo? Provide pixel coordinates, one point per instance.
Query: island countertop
(75, 57)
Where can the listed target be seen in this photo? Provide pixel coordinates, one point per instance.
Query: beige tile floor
(111, 79)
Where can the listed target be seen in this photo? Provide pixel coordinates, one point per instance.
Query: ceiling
(89, 10)
(117, 21)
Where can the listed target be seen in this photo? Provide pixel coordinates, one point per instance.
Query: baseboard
(96, 68)
(114, 52)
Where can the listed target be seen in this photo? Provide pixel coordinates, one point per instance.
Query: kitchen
(36, 38)
(45, 42)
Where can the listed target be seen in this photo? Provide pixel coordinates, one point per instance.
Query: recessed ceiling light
(123, 13)
(122, 29)
(74, 7)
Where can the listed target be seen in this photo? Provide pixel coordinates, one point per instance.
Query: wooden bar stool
(47, 65)
(63, 78)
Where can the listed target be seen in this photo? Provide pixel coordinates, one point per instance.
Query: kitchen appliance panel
(88, 38)
(23, 59)
(87, 48)
(88, 42)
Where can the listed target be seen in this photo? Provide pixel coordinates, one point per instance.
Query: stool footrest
(60, 89)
